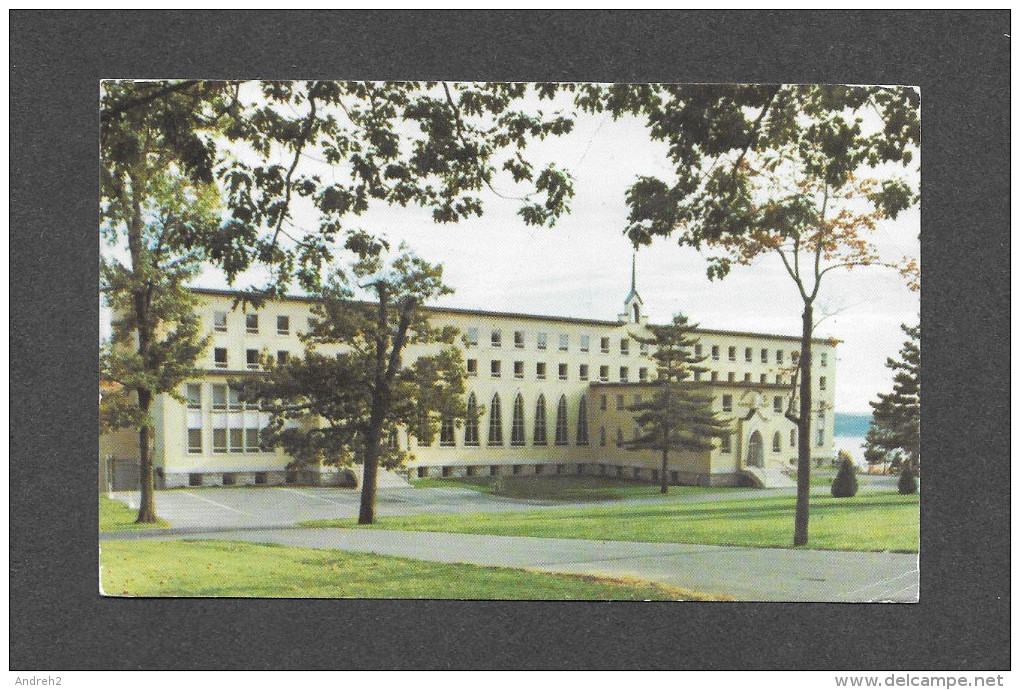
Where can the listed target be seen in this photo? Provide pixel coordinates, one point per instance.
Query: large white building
(553, 392)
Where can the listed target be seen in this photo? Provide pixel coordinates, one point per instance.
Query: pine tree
(895, 430)
(679, 415)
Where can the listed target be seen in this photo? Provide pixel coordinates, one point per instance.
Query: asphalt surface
(271, 514)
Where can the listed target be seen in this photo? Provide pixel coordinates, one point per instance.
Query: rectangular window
(540, 370)
(563, 372)
(824, 359)
(730, 376)
(795, 358)
(564, 343)
(605, 345)
(583, 372)
(220, 357)
(251, 323)
(472, 367)
(602, 402)
(732, 354)
(779, 379)
(518, 370)
(543, 339)
(519, 339)
(233, 398)
(446, 437)
(497, 338)
(624, 373)
(603, 373)
(725, 444)
(715, 353)
(219, 440)
(237, 440)
(251, 440)
(195, 440)
(642, 374)
(821, 383)
(748, 354)
(697, 374)
(697, 350)
(747, 377)
(219, 396)
(637, 398)
(220, 321)
(764, 356)
(779, 356)
(472, 337)
(777, 403)
(715, 375)
(282, 357)
(585, 343)
(727, 403)
(194, 396)
(624, 346)
(252, 357)
(311, 324)
(619, 438)
(602, 435)
(619, 401)
(763, 378)
(644, 349)
(283, 325)
(496, 368)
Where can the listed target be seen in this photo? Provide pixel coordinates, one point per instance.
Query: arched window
(582, 422)
(539, 438)
(561, 422)
(602, 436)
(637, 314)
(793, 438)
(471, 423)
(777, 443)
(495, 423)
(517, 427)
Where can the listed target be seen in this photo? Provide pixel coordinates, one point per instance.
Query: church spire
(633, 272)
(632, 305)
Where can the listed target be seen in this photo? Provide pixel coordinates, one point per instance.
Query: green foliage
(907, 483)
(895, 432)
(336, 409)
(679, 415)
(845, 483)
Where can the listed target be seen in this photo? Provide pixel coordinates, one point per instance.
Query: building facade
(551, 396)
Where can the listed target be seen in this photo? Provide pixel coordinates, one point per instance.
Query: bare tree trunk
(370, 477)
(800, 530)
(147, 504)
(665, 461)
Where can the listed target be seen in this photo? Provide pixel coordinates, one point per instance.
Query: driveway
(746, 574)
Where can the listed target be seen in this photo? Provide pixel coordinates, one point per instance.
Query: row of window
(239, 432)
(251, 322)
(731, 355)
(253, 358)
(562, 371)
(539, 435)
(542, 341)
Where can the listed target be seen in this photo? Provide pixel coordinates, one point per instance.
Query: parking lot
(280, 506)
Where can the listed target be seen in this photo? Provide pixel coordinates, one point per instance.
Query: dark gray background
(961, 63)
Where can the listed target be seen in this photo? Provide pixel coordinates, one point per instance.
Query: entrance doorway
(755, 452)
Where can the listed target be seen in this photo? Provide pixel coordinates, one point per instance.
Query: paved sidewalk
(747, 574)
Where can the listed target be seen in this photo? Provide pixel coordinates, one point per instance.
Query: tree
(350, 402)
(434, 145)
(907, 483)
(845, 483)
(895, 430)
(156, 336)
(679, 416)
(803, 172)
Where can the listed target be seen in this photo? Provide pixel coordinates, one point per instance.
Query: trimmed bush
(845, 483)
(908, 482)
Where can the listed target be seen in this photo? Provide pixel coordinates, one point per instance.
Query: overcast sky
(581, 267)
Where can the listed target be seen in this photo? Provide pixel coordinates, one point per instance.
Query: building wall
(620, 367)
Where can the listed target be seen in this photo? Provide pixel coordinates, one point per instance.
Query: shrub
(845, 483)
(348, 479)
(907, 483)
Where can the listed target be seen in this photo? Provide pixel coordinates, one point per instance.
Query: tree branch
(108, 114)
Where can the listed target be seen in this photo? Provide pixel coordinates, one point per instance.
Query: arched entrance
(755, 452)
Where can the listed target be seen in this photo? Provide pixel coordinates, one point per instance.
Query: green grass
(873, 521)
(226, 569)
(563, 488)
(114, 516)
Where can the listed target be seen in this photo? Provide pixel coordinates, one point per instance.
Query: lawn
(114, 516)
(565, 488)
(871, 521)
(230, 569)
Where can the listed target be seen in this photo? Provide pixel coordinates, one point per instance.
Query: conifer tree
(895, 431)
(679, 416)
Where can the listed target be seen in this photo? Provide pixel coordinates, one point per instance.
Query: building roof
(236, 294)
